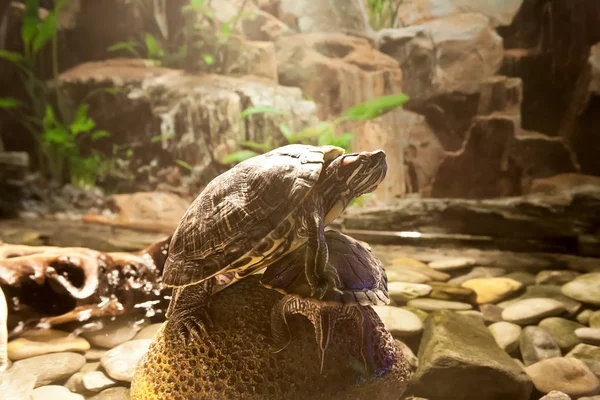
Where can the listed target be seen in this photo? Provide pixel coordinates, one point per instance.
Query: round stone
(559, 277)
(433, 304)
(584, 317)
(94, 354)
(492, 290)
(589, 335)
(446, 291)
(51, 368)
(54, 392)
(150, 331)
(590, 355)
(114, 332)
(491, 312)
(525, 278)
(586, 288)
(506, 335)
(121, 361)
(37, 343)
(398, 321)
(116, 393)
(556, 395)
(419, 313)
(410, 270)
(568, 375)
(530, 311)
(96, 381)
(401, 292)
(451, 264)
(16, 384)
(478, 272)
(594, 320)
(537, 344)
(563, 332)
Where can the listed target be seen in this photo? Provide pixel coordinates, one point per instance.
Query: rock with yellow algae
(238, 360)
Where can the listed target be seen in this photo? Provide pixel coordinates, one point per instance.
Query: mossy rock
(238, 360)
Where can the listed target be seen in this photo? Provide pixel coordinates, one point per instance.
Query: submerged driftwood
(65, 284)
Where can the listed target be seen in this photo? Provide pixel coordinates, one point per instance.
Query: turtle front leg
(189, 310)
(319, 274)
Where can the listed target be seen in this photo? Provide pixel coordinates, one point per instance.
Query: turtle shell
(362, 276)
(239, 209)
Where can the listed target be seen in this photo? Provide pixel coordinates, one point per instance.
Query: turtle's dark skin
(264, 208)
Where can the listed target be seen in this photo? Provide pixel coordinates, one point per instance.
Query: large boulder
(339, 71)
(496, 159)
(457, 353)
(239, 361)
(172, 115)
(342, 16)
(451, 54)
(414, 12)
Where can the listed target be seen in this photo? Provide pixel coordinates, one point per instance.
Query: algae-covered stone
(563, 331)
(458, 353)
(240, 359)
(586, 288)
(537, 344)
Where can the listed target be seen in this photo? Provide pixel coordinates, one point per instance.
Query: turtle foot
(193, 325)
(330, 281)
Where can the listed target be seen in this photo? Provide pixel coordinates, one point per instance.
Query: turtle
(261, 210)
(362, 277)
(363, 283)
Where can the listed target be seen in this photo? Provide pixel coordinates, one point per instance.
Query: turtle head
(351, 175)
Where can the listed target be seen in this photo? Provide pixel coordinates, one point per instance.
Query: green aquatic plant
(58, 128)
(202, 44)
(323, 133)
(382, 13)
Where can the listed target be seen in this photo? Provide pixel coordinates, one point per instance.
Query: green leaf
(375, 107)
(11, 56)
(238, 156)
(129, 46)
(82, 122)
(158, 138)
(184, 165)
(29, 29)
(9, 102)
(311, 132)
(154, 49)
(100, 134)
(57, 135)
(262, 110)
(344, 141)
(113, 90)
(49, 120)
(129, 153)
(208, 59)
(47, 30)
(287, 132)
(256, 146)
(226, 30)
